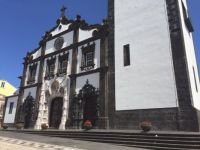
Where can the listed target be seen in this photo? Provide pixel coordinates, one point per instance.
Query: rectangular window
(195, 79)
(89, 57)
(11, 107)
(62, 64)
(50, 68)
(127, 55)
(87, 61)
(32, 74)
(2, 84)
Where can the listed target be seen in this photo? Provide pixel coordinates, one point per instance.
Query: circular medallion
(59, 43)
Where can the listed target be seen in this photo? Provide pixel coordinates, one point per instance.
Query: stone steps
(162, 141)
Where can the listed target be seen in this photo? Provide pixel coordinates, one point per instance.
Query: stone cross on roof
(63, 11)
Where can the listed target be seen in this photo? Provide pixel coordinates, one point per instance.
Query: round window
(58, 43)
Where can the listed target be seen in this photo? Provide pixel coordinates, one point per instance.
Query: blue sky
(23, 22)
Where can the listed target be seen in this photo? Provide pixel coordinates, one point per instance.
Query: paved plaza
(21, 141)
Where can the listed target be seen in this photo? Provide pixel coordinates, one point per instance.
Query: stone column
(39, 120)
(65, 110)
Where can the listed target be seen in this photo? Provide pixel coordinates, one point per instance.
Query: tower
(154, 66)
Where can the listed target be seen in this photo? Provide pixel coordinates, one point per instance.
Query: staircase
(161, 141)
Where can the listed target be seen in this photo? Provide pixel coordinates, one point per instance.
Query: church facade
(138, 65)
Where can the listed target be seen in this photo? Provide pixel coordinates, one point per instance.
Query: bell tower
(152, 65)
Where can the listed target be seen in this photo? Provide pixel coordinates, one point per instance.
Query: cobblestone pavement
(16, 144)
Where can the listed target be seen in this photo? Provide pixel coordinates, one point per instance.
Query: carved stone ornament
(59, 43)
(47, 93)
(62, 90)
(55, 86)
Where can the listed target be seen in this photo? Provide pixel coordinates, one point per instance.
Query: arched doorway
(90, 109)
(85, 106)
(28, 108)
(56, 112)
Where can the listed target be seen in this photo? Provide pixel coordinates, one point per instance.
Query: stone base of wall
(165, 119)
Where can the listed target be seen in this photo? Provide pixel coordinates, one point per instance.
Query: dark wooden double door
(56, 112)
(90, 110)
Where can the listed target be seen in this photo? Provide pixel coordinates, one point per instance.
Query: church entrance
(56, 112)
(28, 108)
(85, 106)
(90, 110)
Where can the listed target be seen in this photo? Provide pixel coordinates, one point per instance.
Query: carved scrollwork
(55, 86)
(47, 93)
(62, 90)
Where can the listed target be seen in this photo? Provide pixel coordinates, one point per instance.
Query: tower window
(11, 107)
(195, 79)
(127, 55)
(2, 84)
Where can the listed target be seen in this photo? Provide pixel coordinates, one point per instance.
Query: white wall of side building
(149, 81)
(10, 117)
(191, 60)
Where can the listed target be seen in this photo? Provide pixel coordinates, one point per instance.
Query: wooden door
(56, 113)
(90, 110)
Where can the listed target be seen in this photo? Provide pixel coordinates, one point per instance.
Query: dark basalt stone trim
(111, 65)
(4, 110)
(160, 118)
(39, 86)
(75, 25)
(32, 85)
(35, 50)
(103, 121)
(71, 47)
(103, 69)
(21, 92)
(12, 96)
(186, 114)
(73, 80)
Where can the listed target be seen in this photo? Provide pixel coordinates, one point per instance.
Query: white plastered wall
(10, 118)
(85, 34)
(149, 81)
(63, 28)
(68, 40)
(31, 90)
(96, 55)
(92, 78)
(27, 73)
(37, 54)
(191, 59)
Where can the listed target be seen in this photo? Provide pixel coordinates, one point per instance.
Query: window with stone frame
(32, 74)
(88, 54)
(11, 107)
(50, 68)
(62, 65)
